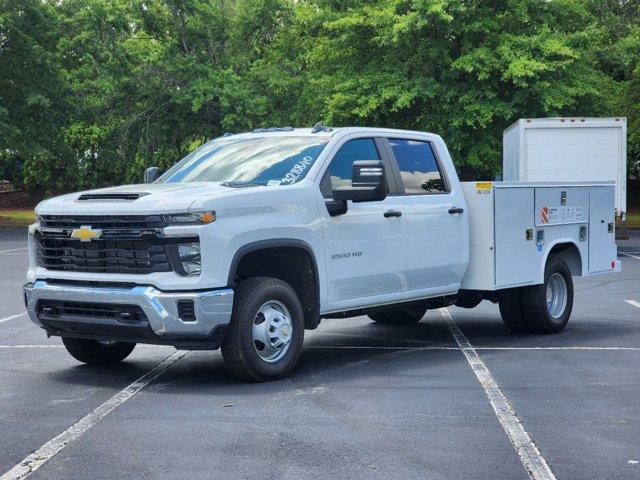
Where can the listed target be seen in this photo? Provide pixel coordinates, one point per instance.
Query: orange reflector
(208, 217)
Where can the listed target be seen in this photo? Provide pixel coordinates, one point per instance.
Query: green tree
(94, 91)
(33, 95)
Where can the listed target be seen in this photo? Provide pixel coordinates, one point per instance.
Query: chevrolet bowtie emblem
(86, 234)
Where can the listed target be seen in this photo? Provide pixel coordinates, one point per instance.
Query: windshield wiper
(241, 183)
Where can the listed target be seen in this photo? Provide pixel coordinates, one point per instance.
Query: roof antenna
(319, 127)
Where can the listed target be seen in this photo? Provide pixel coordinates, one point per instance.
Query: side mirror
(368, 183)
(151, 174)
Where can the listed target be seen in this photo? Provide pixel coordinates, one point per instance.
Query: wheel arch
(569, 252)
(261, 258)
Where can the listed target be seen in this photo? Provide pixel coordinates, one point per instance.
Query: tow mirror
(151, 174)
(368, 183)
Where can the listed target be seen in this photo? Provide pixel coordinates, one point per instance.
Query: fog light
(189, 257)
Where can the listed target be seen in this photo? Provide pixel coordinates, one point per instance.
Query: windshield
(260, 161)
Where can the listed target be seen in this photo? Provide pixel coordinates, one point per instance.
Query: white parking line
(38, 458)
(372, 347)
(579, 348)
(400, 347)
(13, 250)
(530, 456)
(62, 346)
(6, 319)
(31, 346)
(633, 302)
(629, 255)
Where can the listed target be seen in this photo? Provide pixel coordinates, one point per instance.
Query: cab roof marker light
(319, 127)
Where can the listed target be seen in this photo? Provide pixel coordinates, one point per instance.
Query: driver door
(364, 248)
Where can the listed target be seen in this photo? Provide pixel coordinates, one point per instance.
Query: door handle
(453, 210)
(392, 213)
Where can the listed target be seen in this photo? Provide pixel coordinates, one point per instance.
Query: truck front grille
(119, 222)
(138, 256)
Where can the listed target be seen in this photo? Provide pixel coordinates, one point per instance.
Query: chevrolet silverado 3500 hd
(253, 238)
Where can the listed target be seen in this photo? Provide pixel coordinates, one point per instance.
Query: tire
(94, 352)
(260, 304)
(541, 315)
(403, 316)
(511, 311)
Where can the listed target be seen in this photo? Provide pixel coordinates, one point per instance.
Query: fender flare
(314, 319)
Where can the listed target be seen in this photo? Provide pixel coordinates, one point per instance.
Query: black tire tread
(511, 311)
(92, 353)
(534, 301)
(235, 356)
(403, 316)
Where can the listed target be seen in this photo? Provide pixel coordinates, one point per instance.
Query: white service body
(513, 226)
(568, 150)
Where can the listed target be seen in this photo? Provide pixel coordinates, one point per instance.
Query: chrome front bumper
(212, 307)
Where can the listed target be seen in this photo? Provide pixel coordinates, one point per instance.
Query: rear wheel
(97, 352)
(547, 307)
(510, 304)
(266, 332)
(402, 316)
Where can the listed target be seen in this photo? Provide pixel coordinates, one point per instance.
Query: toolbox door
(602, 248)
(516, 254)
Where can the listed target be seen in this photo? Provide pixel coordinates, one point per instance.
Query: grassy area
(633, 219)
(16, 217)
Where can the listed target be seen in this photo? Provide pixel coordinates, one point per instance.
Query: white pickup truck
(255, 237)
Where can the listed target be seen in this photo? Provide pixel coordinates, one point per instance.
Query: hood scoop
(125, 197)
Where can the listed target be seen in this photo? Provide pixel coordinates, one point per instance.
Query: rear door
(436, 223)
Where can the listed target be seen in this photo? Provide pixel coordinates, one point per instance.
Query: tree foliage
(93, 91)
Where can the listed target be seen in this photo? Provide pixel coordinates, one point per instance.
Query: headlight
(190, 218)
(189, 258)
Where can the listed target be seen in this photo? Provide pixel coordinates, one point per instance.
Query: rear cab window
(419, 169)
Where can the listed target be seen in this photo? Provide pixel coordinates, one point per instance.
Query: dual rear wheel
(542, 308)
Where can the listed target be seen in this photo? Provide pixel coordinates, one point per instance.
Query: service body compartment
(515, 258)
(602, 249)
(514, 225)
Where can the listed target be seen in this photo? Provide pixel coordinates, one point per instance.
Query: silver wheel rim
(107, 343)
(557, 293)
(272, 331)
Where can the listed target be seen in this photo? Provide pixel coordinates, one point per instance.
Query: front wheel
(265, 335)
(97, 352)
(546, 308)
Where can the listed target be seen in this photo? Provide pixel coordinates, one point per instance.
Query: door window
(418, 167)
(339, 172)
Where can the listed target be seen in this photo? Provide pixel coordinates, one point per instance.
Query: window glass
(418, 166)
(277, 160)
(342, 164)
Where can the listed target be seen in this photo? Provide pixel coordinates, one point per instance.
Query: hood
(135, 199)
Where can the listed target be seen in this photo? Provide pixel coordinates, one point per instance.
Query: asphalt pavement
(366, 401)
